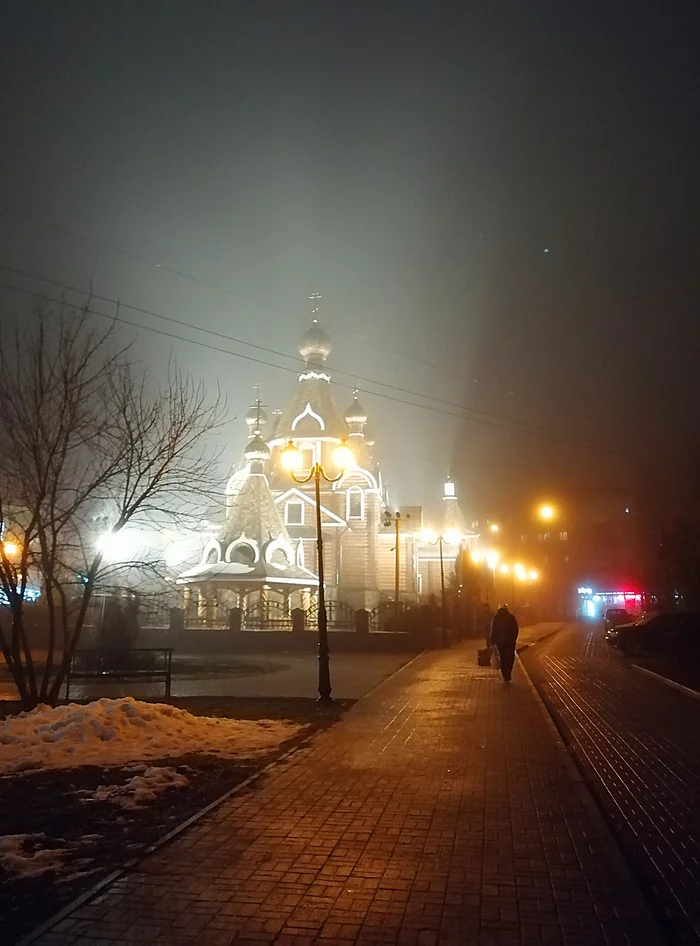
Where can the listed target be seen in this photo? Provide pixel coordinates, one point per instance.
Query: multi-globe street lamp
(520, 573)
(292, 461)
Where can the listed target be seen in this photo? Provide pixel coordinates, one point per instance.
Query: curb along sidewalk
(439, 810)
(535, 633)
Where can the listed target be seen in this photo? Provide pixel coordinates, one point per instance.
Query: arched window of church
(278, 557)
(212, 557)
(355, 504)
(243, 554)
(294, 514)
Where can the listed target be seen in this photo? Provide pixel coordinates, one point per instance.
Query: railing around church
(340, 615)
(215, 620)
(150, 610)
(383, 617)
(264, 615)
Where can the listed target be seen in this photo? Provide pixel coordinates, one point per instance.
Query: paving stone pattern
(638, 742)
(440, 810)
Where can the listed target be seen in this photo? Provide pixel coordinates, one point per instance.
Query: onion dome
(355, 414)
(257, 449)
(315, 346)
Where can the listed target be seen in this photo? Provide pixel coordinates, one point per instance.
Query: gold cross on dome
(314, 299)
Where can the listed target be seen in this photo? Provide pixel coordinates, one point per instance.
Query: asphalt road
(637, 742)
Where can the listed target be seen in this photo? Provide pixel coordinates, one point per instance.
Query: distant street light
(533, 574)
(10, 549)
(396, 521)
(547, 512)
(494, 527)
(452, 536)
(492, 559)
(292, 461)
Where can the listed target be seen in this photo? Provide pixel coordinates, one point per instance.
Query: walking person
(504, 634)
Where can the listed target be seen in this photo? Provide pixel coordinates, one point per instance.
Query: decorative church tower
(267, 544)
(350, 506)
(452, 517)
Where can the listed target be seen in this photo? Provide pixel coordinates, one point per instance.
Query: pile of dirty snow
(117, 732)
(140, 789)
(21, 855)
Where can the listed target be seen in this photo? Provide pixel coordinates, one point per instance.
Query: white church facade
(265, 550)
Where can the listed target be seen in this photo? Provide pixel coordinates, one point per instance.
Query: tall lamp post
(396, 521)
(292, 460)
(548, 513)
(452, 537)
(492, 558)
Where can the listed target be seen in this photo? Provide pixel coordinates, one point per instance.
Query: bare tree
(84, 437)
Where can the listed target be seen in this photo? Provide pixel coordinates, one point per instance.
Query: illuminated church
(265, 550)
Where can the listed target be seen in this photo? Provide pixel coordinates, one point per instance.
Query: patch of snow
(21, 856)
(117, 732)
(140, 789)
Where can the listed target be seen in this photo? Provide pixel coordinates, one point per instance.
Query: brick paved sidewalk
(440, 810)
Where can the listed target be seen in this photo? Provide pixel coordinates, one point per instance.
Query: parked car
(665, 632)
(613, 617)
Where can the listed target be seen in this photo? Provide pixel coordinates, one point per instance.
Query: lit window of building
(355, 504)
(294, 514)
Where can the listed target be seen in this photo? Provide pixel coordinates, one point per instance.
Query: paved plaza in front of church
(443, 808)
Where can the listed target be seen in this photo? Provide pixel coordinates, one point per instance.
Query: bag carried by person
(495, 659)
(483, 657)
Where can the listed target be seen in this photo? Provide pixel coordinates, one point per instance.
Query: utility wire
(473, 413)
(39, 221)
(461, 416)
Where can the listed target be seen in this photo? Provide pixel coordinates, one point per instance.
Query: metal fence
(340, 615)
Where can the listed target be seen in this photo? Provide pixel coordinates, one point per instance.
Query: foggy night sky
(410, 161)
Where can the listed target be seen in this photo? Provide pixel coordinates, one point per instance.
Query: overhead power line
(492, 421)
(473, 413)
(163, 267)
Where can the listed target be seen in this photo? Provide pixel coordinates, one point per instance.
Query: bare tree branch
(83, 433)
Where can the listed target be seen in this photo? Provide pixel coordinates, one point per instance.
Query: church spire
(315, 299)
(315, 346)
(256, 418)
(453, 516)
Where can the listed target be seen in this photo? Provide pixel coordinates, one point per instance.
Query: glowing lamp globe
(427, 535)
(477, 558)
(291, 458)
(492, 558)
(10, 549)
(520, 572)
(533, 575)
(504, 570)
(452, 536)
(343, 457)
(547, 512)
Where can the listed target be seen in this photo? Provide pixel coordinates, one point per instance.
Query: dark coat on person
(504, 627)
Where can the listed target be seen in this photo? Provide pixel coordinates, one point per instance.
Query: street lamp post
(452, 537)
(439, 542)
(396, 521)
(292, 460)
(492, 558)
